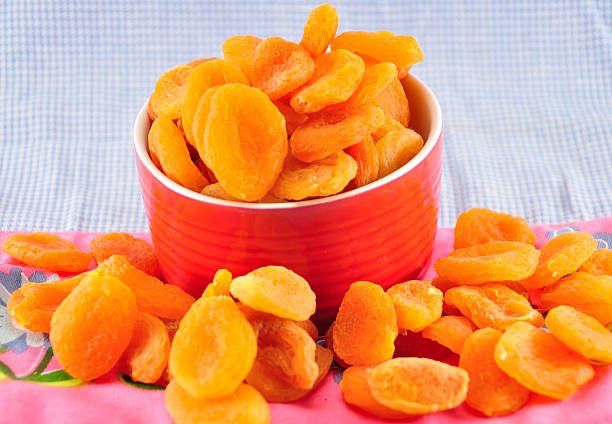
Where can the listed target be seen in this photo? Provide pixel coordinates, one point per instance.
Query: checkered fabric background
(525, 87)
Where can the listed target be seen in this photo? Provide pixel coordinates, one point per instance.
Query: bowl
(382, 232)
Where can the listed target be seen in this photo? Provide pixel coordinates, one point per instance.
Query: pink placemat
(34, 389)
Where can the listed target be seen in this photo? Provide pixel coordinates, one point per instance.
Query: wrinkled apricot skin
(92, 327)
(450, 331)
(489, 262)
(323, 177)
(396, 149)
(293, 119)
(492, 305)
(243, 406)
(560, 257)
(244, 142)
(220, 285)
(169, 94)
(46, 251)
(599, 263)
(540, 362)
(326, 134)
(581, 333)
(366, 156)
(418, 385)
(587, 293)
(213, 332)
(137, 251)
(366, 325)
(320, 29)
(417, 304)
(490, 391)
(167, 147)
(478, 225)
(310, 328)
(240, 51)
(388, 126)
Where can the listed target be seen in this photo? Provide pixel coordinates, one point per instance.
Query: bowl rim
(435, 131)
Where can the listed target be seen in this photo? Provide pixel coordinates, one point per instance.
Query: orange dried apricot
(489, 262)
(92, 327)
(146, 356)
(587, 293)
(293, 119)
(417, 304)
(32, 305)
(277, 291)
(560, 257)
(152, 295)
(209, 74)
(396, 149)
(281, 66)
(581, 333)
(599, 263)
(244, 141)
(309, 327)
(169, 94)
(366, 325)
(240, 51)
(336, 77)
(403, 51)
(492, 305)
(388, 126)
(490, 391)
(320, 29)
(213, 349)
(167, 147)
(137, 251)
(323, 177)
(46, 251)
(479, 225)
(243, 406)
(450, 331)
(366, 156)
(418, 385)
(328, 133)
(218, 192)
(195, 62)
(540, 362)
(220, 285)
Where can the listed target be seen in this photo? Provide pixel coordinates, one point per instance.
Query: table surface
(525, 88)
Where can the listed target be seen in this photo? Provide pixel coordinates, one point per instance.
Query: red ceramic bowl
(382, 232)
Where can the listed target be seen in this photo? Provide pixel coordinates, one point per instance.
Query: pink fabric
(111, 400)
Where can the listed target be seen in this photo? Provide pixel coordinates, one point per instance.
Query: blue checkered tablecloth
(525, 87)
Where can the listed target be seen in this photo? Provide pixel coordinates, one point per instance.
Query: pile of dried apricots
(277, 121)
(249, 340)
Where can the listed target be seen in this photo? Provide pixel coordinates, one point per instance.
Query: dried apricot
(146, 356)
(218, 192)
(240, 51)
(366, 325)
(323, 177)
(244, 141)
(396, 149)
(92, 327)
(540, 362)
(587, 293)
(489, 262)
(388, 126)
(599, 263)
(450, 331)
(168, 148)
(366, 156)
(137, 251)
(310, 328)
(328, 133)
(320, 29)
(213, 349)
(277, 291)
(581, 333)
(417, 304)
(418, 385)
(220, 284)
(46, 251)
(336, 77)
(169, 94)
(243, 406)
(478, 225)
(560, 257)
(490, 391)
(492, 305)
(32, 305)
(152, 295)
(209, 74)
(293, 119)
(281, 66)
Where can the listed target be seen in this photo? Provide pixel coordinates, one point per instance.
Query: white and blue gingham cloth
(525, 87)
